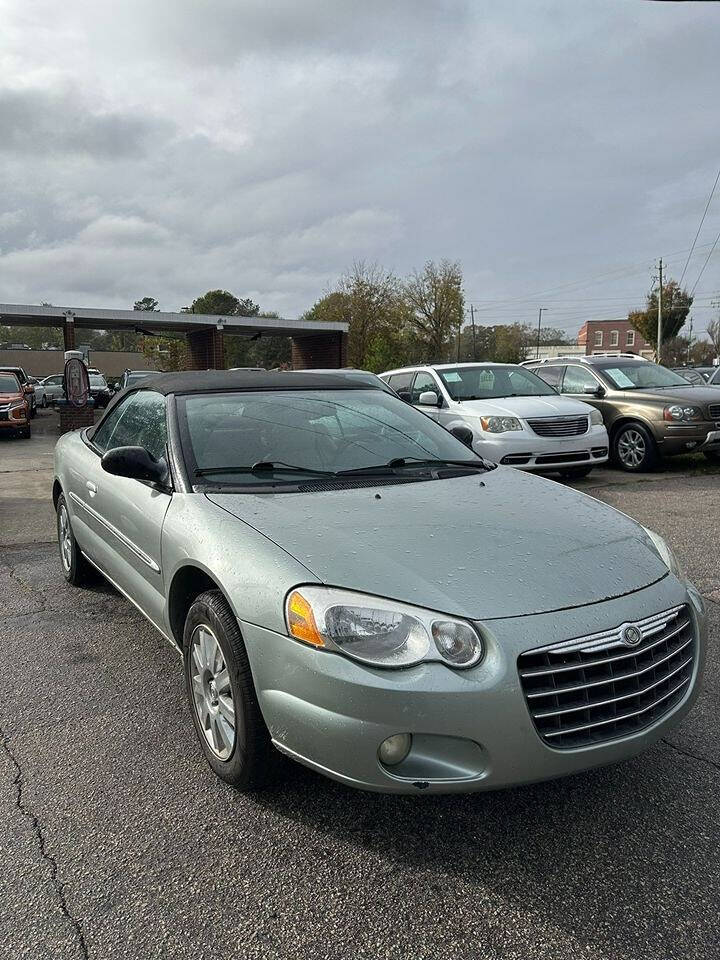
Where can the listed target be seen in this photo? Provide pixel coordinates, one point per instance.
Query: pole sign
(76, 382)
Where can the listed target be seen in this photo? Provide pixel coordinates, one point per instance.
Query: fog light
(394, 750)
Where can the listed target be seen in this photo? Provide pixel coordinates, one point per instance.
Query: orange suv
(14, 407)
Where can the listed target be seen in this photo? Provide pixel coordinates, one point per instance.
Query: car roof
(10, 373)
(446, 366)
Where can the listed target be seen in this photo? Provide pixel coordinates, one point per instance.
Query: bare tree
(435, 303)
(713, 332)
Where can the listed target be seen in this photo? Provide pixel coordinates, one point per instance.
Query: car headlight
(596, 418)
(17, 410)
(379, 632)
(500, 424)
(679, 412)
(665, 553)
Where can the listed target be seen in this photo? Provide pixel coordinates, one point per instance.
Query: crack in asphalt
(57, 884)
(690, 755)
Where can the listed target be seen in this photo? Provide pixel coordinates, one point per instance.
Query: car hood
(8, 397)
(497, 544)
(689, 394)
(524, 407)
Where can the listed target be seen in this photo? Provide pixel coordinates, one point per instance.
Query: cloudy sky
(163, 147)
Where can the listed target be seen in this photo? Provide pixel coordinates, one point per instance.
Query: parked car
(27, 386)
(14, 406)
(691, 375)
(714, 378)
(650, 412)
(132, 377)
(516, 419)
(351, 585)
(49, 390)
(99, 390)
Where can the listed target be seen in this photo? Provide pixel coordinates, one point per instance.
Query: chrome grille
(598, 688)
(559, 426)
(714, 411)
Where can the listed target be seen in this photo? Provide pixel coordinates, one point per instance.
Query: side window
(578, 380)
(401, 381)
(139, 421)
(423, 382)
(551, 375)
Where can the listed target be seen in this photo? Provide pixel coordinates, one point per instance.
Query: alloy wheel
(631, 448)
(211, 692)
(65, 537)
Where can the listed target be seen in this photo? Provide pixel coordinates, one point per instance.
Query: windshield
(490, 382)
(96, 380)
(642, 375)
(324, 430)
(9, 383)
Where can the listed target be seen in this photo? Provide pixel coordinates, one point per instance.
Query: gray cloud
(264, 146)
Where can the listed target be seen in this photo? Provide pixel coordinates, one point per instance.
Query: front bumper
(471, 729)
(674, 439)
(13, 423)
(526, 450)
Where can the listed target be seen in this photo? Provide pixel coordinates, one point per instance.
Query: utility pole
(472, 321)
(689, 341)
(540, 313)
(659, 333)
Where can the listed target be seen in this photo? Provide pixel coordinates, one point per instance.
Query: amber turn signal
(301, 622)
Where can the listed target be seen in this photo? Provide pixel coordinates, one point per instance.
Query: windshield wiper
(415, 462)
(265, 466)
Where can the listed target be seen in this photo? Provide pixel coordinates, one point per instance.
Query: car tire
(43, 402)
(712, 455)
(75, 567)
(33, 410)
(222, 698)
(575, 473)
(633, 448)
(25, 432)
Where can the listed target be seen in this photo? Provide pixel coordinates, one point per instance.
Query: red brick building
(612, 336)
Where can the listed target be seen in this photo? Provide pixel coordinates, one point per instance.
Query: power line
(707, 260)
(702, 221)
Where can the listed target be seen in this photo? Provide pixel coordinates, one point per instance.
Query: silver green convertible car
(353, 587)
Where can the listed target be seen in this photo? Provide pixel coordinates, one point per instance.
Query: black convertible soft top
(211, 381)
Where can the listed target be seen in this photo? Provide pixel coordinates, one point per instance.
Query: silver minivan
(515, 417)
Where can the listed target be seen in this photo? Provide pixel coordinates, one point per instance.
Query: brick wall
(587, 337)
(319, 351)
(73, 418)
(206, 350)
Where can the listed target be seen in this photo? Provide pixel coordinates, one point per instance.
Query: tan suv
(649, 411)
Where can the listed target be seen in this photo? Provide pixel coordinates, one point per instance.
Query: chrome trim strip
(599, 683)
(624, 696)
(623, 716)
(607, 638)
(133, 602)
(635, 652)
(132, 547)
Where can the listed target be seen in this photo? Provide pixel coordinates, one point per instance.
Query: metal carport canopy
(15, 314)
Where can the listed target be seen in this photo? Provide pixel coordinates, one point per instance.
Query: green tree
(222, 303)
(435, 305)
(146, 304)
(676, 305)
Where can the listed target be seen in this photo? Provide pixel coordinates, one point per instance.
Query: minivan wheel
(575, 473)
(75, 567)
(223, 703)
(633, 448)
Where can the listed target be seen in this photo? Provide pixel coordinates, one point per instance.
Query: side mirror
(594, 391)
(428, 398)
(464, 434)
(135, 463)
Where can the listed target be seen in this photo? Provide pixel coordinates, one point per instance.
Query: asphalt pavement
(117, 841)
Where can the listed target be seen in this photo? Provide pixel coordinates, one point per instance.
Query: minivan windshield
(488, 382)
(640, 375)
(327, 431)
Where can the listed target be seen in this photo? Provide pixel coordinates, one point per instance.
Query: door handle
(92, 488)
